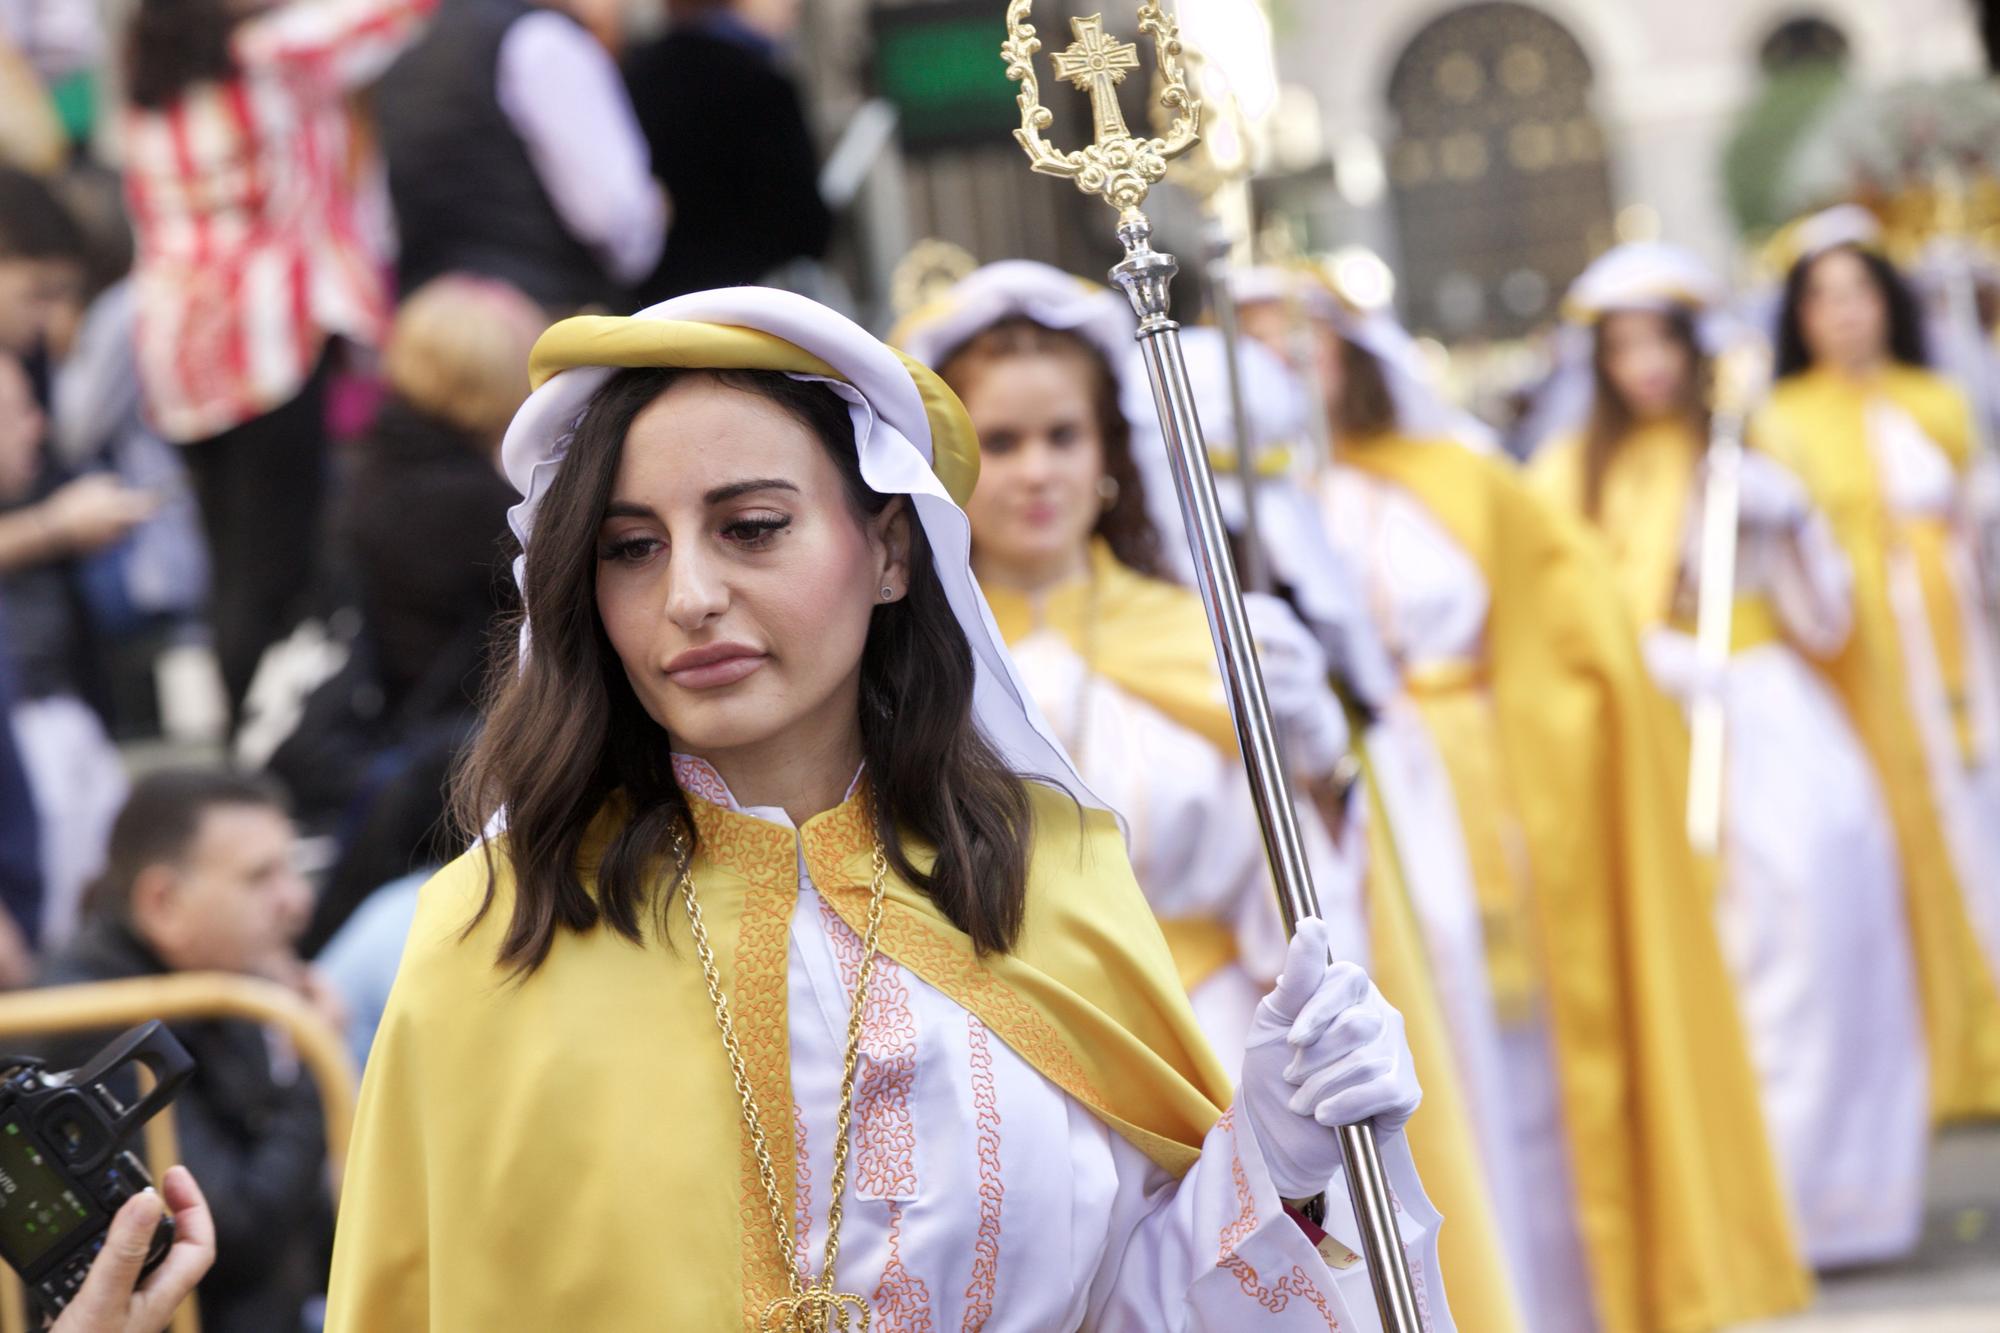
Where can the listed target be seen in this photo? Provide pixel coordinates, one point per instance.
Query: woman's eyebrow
(629, 509)
(724, 494)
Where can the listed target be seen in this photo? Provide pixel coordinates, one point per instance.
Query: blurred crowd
(269, 277)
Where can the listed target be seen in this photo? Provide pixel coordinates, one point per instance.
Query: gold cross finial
(1097, 64)
(1116, 165)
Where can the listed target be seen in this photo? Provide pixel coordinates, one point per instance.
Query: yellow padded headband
(628, 343)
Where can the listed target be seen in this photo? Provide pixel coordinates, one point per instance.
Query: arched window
(1498, 170)
(1804, 40)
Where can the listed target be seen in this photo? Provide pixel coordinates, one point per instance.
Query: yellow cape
(1678, 1200)
(1151, 640)
(1146, 636)
(1816, 424)
(1642, 508)
(567, 1152)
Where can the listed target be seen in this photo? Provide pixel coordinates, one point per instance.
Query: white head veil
(1290, 526)
(1011, 289)
(1421, 411)
(1648, 276)
(902, 417)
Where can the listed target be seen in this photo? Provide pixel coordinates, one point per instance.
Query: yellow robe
(1643, 507)
(1816, 424)
(1678, 1200)
(1150, 638)
(567, 1152)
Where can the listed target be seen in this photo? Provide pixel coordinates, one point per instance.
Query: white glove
(1325, 1049)
(1308, 715)
(1673, 659)
(1768, 497)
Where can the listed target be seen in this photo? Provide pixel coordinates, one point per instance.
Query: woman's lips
(715, 665)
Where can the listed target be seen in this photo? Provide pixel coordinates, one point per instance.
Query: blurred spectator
(41, 269)
(729, 140)
(513, 152)
(50, 522)
(361, 959)
(251, 257)
(201, 879)
(422, 527)
(31, 135)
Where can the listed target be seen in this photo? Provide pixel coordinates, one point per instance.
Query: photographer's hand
(112, 1300)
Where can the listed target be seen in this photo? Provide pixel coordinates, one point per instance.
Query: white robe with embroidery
(981, 1196)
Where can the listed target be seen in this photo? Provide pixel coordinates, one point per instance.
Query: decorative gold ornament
(1117, 165)
(931, 268)
(815, 1306)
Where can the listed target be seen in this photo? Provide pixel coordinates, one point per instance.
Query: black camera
(65, 1165)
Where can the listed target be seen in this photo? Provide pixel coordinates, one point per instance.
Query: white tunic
(1811, 910)
(1191, 830)
(981, 1196)
(1428, 602)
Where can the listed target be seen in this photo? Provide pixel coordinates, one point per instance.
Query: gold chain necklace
(812, 1307)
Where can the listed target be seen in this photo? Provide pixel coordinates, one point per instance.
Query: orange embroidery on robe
(902, 1302)
(992, 1187)
(837, 845)
(1295, 1283)
(885, 1137)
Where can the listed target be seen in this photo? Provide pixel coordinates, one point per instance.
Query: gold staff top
(1118, 166)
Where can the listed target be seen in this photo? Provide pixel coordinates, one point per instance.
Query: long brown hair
(565, 734)
(1612, 418)
(172, 45)
(1365, 407)
(1124, 525)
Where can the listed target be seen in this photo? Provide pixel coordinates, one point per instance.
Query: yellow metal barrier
(112, 1006)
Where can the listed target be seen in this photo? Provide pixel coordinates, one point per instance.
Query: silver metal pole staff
(1121, 168)
(1739, 374)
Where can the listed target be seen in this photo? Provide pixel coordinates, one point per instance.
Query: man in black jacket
(201, 879)
(731, 145)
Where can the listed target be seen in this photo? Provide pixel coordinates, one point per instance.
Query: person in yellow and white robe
(1122, 665)
(1881, 444)
(1811, 903)
(774, 945)
(1636, 1107)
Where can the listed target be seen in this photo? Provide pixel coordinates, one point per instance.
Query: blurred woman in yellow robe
(1882, 444)
(1811, 907)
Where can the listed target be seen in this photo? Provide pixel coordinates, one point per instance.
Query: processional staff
(1740, 375)
(1217, 172)
(1121, 168)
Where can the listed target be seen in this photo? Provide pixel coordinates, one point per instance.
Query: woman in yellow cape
(1811, 908)
(1881, 443)
(1633, 1091)
(778, 998)
(1121, 662)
